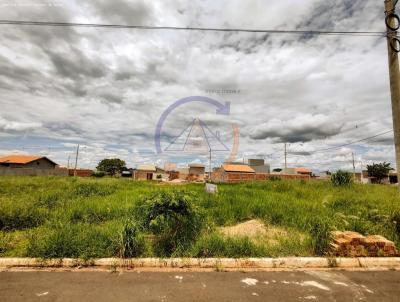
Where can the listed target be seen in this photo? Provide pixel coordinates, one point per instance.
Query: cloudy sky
(106, 89)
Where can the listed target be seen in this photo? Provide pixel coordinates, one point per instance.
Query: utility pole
(354, 167)
(76, 159)
(285, 157)
(69, 157)
(392, 41)
(209, 179)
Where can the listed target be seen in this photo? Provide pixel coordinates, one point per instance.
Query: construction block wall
(353, 244)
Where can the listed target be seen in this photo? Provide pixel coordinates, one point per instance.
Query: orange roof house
(27, 161)
(233, 173)
(237, 168)
(303, 171)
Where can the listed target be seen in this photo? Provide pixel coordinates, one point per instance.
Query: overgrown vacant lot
(67, 217)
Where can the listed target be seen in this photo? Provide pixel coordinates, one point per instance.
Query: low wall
(80, 172)
(4, 171)
(237, 177)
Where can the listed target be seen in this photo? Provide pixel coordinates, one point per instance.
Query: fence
(4, 171)
(237, 177)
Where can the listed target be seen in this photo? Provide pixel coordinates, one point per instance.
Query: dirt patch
(255, 229)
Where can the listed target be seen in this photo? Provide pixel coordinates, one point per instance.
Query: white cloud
(106, 88)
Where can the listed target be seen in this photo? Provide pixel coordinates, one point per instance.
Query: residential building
(303, 171)
(258, 165)
(30, 165)
(27, 161)
(196, 172)
(234, 173)
(149, 172)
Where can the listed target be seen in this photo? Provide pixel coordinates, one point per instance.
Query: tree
(379, 171)
(111, 166)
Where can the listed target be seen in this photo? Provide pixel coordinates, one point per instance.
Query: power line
(344, 145)
(148, 27)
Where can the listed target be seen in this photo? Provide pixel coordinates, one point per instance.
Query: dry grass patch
(258, 232)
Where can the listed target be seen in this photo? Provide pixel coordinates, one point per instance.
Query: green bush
(132, 241)
(174, 218)
(341, 178)
(320, 231)
(98, 174)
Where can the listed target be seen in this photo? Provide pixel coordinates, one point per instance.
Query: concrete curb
(208, 263)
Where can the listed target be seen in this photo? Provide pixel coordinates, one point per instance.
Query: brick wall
(80, 172)
(237, 177)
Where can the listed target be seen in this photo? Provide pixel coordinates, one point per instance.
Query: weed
(173, 218)
(341, 178)
(132, 241)
(88, 218)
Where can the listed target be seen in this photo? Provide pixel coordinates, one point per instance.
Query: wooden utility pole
(209, 179)
(354, 166)
(394, 77)
(69, 157)
(76, 159)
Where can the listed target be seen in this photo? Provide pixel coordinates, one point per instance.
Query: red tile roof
(237, 168)
(303, 170)
(21, 159)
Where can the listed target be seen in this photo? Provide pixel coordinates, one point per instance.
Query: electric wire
(189, 28)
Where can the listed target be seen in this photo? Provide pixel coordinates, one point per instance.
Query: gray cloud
(74, 64)
(125, 12)
(303, 128)
(109, 87)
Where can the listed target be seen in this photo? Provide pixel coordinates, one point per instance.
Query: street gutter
(207, 264)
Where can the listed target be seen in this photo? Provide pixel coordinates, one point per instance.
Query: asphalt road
(202, 286)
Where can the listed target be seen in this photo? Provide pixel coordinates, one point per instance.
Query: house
(303, 171)
(183, 173)
(258, 165)
(170, 167)
(233, 173)
(145, 172)
(27, 161)
(30, 165)
(149, 172)
(196, 172)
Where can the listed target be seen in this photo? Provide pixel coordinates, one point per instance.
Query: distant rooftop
(21, 159)
(196, 165)
(303, 170)
(147, 168)
(237, 168)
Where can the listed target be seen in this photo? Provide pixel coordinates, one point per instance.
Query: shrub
(98, 174)
(173, 218)
(341, 178)
(132, 241)
(320, 231)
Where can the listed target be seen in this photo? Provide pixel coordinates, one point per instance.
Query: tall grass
(69, 217)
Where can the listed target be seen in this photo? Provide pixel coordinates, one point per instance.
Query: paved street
(213, 286)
